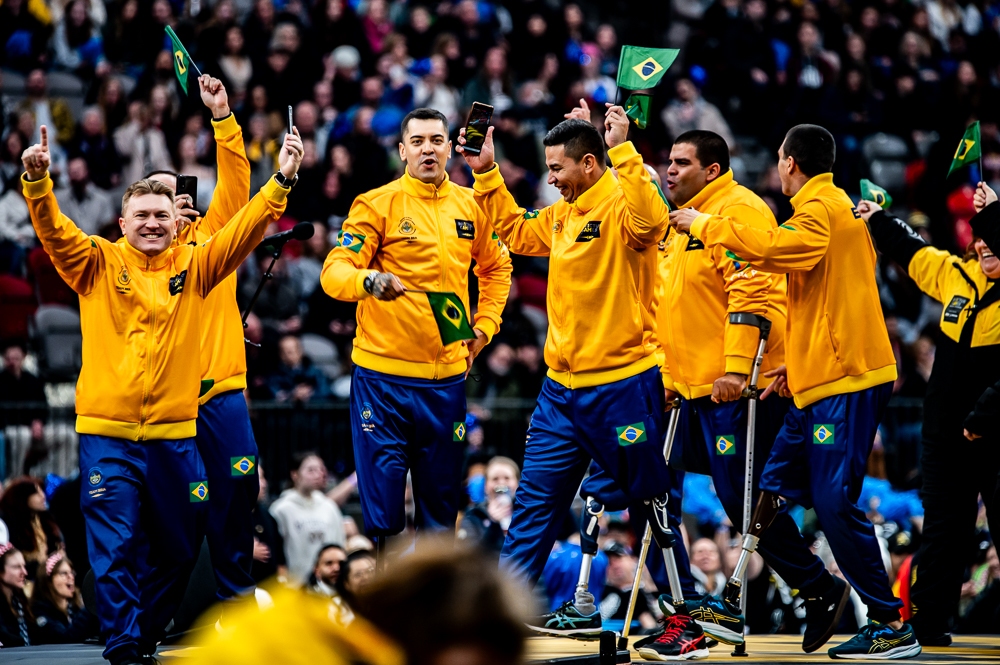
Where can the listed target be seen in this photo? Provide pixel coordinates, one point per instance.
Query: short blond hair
(143, 187)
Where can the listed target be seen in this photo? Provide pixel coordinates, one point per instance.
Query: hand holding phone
(188, 184)
(290, 119)
(475, 128)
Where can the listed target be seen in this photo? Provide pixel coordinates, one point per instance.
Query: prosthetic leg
(589, 530)
(667, 535)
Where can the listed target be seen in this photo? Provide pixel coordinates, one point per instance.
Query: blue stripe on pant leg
(837, 470)
(781, 545)
(225, 435)
(381, 425)
(112, 472)
(436, 458)
(552, 471)
(175, 522)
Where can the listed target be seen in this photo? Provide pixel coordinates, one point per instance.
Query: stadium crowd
(896, 82)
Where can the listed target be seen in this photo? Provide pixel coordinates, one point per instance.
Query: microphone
(301, 231)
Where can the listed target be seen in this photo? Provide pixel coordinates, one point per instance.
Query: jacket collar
(812, 188)
(720, 184)
(140, 260)
(605, 186)
(424, 190)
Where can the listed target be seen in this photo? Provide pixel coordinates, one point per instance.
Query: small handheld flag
(969, 149)
(872, 192)
(182, 60)
(449, 313)
(641, 68)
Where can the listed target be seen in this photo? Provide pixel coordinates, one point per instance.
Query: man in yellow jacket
(603, 397)
(141, 302)
(708, 323)
(225, 437)
(408, 389)
(840, 368)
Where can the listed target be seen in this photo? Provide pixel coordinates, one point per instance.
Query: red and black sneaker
(682, 639)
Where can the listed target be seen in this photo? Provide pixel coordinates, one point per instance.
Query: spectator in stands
(307, 268)
(329, 561)
(58, 608)
(691, 111)
(96, 147)
(356, 573)
(618, 590)
(278, 304)
(77, 42)
(142, 146)
(306, 517)
(24, 408)
(268, 545)
(24, 31)
(17, 624)
(296, 380)
(187, 160)
(432, 89)
(493, 85)
(32, 530)
(485, 524)
(90, 207)
(14, 143)
(706, 567)
(16, 234)
(48, 111)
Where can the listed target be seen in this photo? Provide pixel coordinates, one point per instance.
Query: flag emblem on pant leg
(725, 445)
(823, 434)
(458, 432)
(635, 433)
(242, 465)
(198, 491)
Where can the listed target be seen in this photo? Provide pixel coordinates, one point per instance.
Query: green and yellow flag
(969, 149)
(872, 192)
(182, 60)
(641, 68)
(449, 313)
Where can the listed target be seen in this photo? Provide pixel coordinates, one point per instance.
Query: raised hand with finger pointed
(36, 159)
(581, 112)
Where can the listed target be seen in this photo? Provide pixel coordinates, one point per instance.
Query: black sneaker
(879, 642)
(567, 621)
(935, 640)
(823, 615)
(681, 639)
(714, 616)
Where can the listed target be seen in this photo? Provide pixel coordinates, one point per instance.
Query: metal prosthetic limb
(589, 530)
(647, 536)
(768, 506)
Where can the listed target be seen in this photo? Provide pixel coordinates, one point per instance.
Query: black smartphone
(290, 119)
(475, 128)
(188, 184)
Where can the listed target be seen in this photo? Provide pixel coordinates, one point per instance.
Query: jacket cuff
(739, 365)
(622, 152)
(36, 189)
(275, 192)
(488, 181)
(225, 127)
(699, 226)
(359, 284)
(488, 326)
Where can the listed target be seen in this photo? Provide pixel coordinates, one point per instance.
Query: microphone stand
(260, 287)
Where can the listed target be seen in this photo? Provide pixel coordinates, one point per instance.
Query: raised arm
(650, 214)
(76, 256)
(225, 251)
(798, 244)
(233, 189)
(523, 231)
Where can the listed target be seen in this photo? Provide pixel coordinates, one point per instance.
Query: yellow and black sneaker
(878, 641)
(714, 615)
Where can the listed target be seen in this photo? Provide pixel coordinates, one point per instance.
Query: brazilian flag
(969, 149)
(449, 313)
(872, 192)
(641, 68)
(182, 60)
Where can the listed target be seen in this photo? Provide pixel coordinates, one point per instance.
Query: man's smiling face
(149, 223)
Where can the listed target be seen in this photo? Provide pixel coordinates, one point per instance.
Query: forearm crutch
(752, 393)
(647, 537)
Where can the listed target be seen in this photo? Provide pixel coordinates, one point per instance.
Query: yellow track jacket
(697, 288)
(223, 356)
(141, 315)
(835, 341)
(602, 266)
(428, 237)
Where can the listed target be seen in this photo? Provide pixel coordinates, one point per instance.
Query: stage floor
(773, 649)
(777, 650)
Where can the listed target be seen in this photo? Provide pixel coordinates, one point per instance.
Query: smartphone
(290, 119)
(188, 184)
(475, 128)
